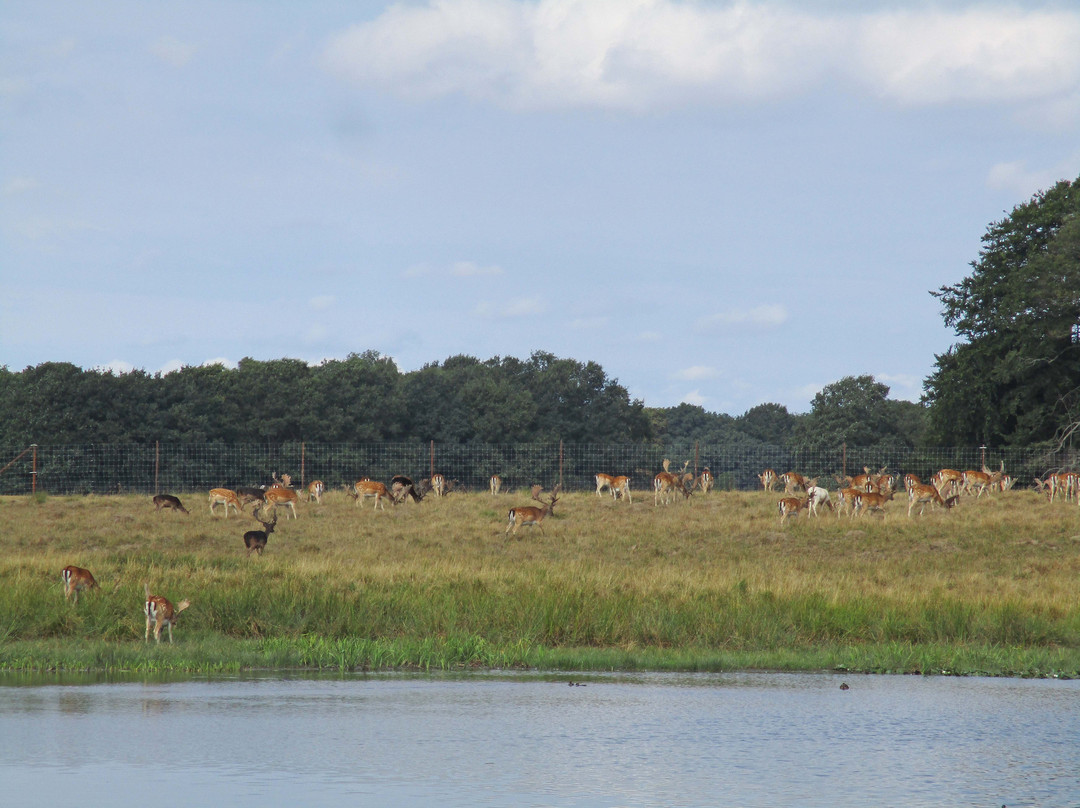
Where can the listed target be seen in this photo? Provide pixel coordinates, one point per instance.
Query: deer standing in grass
(768, 479)
(530, 514)
(666, 483)
(495, 483)
(255, 540)
(227, 497)
(75, 580)
(790, 506)
(315, 489)
(161, 613)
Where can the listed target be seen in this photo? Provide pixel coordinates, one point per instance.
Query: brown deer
(666, 483)
(495, 484)
(169, 503)
(530, 514)
(362, 489)
(75, 580)
(160, 613)
(768, 479)
(402, 487)
(315, 489)
(790, 506)
(227, 497)
(255, 540)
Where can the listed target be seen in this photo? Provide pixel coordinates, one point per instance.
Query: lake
(501, 739)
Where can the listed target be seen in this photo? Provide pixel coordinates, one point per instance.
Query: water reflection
(624, 740)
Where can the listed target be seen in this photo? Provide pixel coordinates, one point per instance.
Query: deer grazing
(495, 484)
(922, 495)
(248, 494)
(255, 540)
(530, 514)
(620, 486)
(315, 490)
(75, 580)
(402, 487)
(816, 497)
(665, 484)
(227, 497)
(603, 481)
(793, 481)
(161, 613)
(169, 503)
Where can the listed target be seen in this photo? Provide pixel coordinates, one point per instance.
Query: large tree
(857, 411)
(1014, 378)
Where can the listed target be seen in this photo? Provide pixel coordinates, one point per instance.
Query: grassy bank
(709, 584)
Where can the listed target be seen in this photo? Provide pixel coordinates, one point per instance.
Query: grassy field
(713, 583)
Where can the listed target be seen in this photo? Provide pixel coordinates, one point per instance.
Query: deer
(75, 580)
(870, 501)
(227, 497)
(438, 484)
(161, 613)
(665, 483)
(315, 490)
(362, 489)
(284, 482)
(922, 495)
(495, 484)
(402, 487)
(790, 506)
(248, 494)
(947, 480)
(286, 497)
(816, 497)
(530, 514)
(704, 481)
(768, 480)
(603, 481)
(169, 503)
(793, 481)
(621, 486)
(256, 539)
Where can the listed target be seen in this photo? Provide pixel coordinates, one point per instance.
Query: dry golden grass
(713, 572)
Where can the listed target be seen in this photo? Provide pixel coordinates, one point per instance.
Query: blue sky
(721, 203)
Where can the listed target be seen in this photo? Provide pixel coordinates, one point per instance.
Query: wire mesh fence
(155, 468)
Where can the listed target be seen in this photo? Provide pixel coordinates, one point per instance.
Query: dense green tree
(855, 411)
(768, 423)
(1015, 376)
(691, 423)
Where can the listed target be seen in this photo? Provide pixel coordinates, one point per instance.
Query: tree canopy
(1014, 378)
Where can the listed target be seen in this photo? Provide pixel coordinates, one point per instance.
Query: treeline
(364, 398)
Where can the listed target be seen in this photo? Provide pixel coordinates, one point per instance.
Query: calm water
(530, 740)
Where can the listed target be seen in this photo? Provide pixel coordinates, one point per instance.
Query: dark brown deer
(169, 503)
(256, 539)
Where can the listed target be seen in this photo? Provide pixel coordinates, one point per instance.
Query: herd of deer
(863, 493)
(868, 492)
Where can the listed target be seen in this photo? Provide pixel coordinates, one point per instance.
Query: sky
(721, 203)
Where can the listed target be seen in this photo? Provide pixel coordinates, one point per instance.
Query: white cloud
(695, 373)
(170, 366)
(1023, 182)
(770, 315)
(590, 323)
(694, 397)
(522, 307)
(19, 185)
(902, 386)
(118, 367)
(656, 53)
(172, 51)
(467, 269)
(227, 363)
